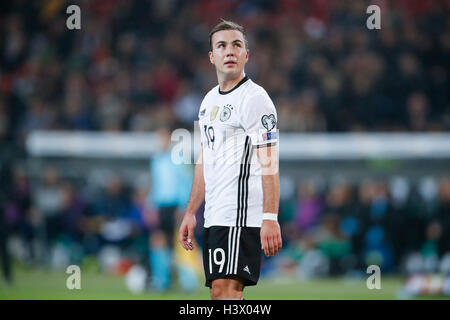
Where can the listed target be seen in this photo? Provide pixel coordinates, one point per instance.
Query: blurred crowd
(328, 227)
(82, 217)
(335, 227)
(135, 65)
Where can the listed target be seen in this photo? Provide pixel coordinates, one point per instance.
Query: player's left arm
(271, 241)
(259, 119)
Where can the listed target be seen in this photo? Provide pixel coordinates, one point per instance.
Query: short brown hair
(227, 25)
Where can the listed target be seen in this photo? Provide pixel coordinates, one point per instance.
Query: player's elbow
(269, 166)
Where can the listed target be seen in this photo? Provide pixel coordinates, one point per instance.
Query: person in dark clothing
(5, 183)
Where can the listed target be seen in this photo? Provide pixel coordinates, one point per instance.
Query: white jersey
(232, 125)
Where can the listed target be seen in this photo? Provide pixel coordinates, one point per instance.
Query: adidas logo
(246, 269)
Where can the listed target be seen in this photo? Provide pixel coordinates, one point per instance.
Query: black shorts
(232, 251)
(167, 222)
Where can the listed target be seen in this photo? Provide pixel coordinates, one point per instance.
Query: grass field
(39, 284)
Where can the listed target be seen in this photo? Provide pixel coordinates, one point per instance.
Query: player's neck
(228, 84)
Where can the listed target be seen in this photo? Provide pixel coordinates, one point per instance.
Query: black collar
(235, 87)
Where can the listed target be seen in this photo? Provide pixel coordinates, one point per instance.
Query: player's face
(229, 54)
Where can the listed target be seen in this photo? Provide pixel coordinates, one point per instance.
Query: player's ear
(211, 57)
(246, 56)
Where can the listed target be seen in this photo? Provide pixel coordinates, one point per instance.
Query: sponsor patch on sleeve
(269, 136)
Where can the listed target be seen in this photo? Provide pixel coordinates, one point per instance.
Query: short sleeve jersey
(232, 125)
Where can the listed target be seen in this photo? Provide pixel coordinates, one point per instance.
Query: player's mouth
(230, 63)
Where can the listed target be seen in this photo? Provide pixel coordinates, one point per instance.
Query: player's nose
(230, 53)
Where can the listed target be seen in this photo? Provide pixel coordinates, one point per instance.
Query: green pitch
(35, 284)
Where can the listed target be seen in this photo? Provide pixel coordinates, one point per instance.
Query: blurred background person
(170, 187)
(48, 200)
(5, 182)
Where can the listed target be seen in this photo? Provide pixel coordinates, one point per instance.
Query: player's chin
(232, 73)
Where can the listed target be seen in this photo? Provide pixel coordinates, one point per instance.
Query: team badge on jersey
(226, 113)
(213, 114)
(268, 121)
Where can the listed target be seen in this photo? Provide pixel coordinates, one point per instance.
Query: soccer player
(236, 172)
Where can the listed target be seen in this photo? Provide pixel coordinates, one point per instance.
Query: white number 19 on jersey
(209, 133)
(220, 262)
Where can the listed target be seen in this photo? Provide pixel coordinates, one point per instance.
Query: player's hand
(186, 231)
(271, 241)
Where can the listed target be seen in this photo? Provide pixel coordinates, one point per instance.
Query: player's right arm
(186, 232)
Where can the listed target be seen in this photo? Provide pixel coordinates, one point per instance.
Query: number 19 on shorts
(218, 256)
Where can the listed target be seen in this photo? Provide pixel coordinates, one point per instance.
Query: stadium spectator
(113, 202)
(48, 200)
(73, 211)
(309, 206)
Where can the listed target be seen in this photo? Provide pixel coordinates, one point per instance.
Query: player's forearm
(271, 192)
(198, 189)
(268, 158)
